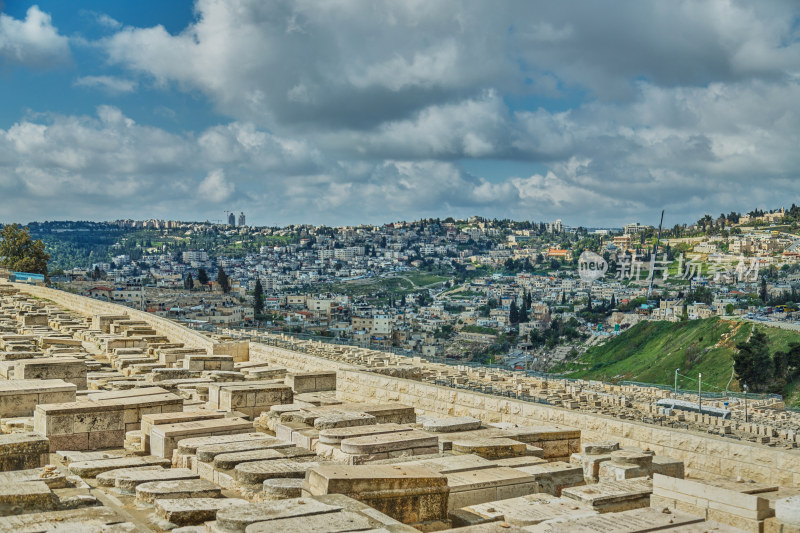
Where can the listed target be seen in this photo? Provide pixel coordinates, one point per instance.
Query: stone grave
(408, 494)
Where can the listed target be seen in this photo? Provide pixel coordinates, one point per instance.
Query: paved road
(767, 323)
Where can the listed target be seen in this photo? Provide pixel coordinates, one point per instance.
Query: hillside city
(476, 290)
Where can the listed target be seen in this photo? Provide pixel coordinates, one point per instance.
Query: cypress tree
(258, 305)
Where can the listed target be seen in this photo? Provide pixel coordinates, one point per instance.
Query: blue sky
(312, 111)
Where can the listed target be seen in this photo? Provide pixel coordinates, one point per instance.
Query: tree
(523, 313)
(258, 305)
(189, 283)
(223, 281)
(96, 274)
(752, 363)
(202, 277)
(589, 304)
(763, 292)
(613, 303)
(20, 253)
(513, 313)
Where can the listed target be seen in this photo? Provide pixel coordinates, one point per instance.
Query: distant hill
(651, 351)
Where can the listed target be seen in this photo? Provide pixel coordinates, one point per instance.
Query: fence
(441, 360)
(707, 394)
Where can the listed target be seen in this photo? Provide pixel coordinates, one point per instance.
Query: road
(767, 323)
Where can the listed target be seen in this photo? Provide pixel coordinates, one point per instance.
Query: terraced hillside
(651, 351)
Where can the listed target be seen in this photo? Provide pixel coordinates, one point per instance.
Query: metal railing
(707, 394)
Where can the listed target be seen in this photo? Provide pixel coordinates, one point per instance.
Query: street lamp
(675, 388)
(745, 403)
(700, 393)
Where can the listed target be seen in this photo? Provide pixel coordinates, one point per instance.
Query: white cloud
(33, 41)
(108, 22)
(363, 110)
(215, 188)
(109, 84)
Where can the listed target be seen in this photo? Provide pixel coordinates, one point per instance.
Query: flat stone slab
(256, 472)
(31, 495)
(54, 480)
(236, 520)
(553, 477)
(499, 448)
(164, 439)
(634, 521)
(70, 457)
(282, 488)
(529, 510)
(83, 519)
(206, 454)
(608, 493)
(388, 442)
(337, 435)
(331, 523)
(131, 480)
(189, 446)
(192, 511)
(92, 468)
(107, 479)
(626, 457)
(516, 462)
(486, 478)
(599, 448)
(342, 420)
(23, 443)
(452, 464)
(177, 488)
(346, 479)
(228, 461)
(451, 424)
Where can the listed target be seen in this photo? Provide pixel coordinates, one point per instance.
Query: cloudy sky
(347, 111)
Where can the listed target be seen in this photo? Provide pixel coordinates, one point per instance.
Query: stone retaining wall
(90, 306)
(293, 361)
(703, 455)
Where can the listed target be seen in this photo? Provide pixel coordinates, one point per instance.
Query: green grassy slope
(651, 351)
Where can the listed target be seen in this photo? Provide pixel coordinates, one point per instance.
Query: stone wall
(293, 361)
(90, 306)
(703, 455)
